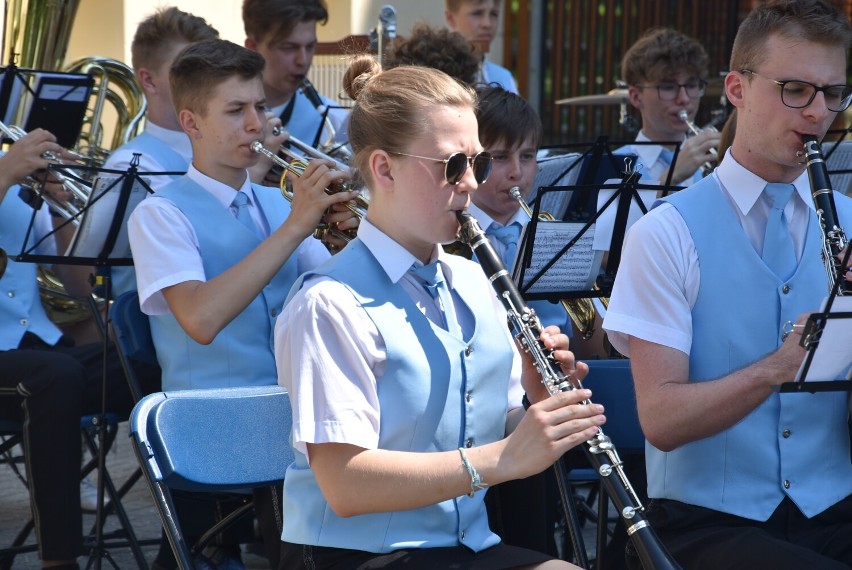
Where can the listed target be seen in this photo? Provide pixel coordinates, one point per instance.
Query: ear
(250, 44)
(450, 17)
(634, 94)
(381, 168)
(735, 86)
(189, 124)
(146, 80)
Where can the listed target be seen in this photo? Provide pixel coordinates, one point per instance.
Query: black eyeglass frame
(816, 89)
(701, 84)
(469, 162)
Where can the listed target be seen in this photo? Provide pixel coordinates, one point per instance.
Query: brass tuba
(581, 310)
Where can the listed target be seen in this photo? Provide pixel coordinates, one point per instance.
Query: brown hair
(505, 117)
(200, 67)
(439, 48)
(816, 21)
(662, 53)
(275, 19)
(390, 105)
(159, 31)
(455, 5)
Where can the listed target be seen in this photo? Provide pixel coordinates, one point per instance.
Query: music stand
(835, 323)
(115, 199)
(549, 269)
(52, 100)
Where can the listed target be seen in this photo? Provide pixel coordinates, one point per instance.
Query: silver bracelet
(476, 483)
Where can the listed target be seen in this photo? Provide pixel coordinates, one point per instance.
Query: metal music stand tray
(125, 182)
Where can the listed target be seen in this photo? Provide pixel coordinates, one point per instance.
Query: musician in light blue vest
(46, 382)
(284, 32)
(215, 254)
(477, 21)
(711, 282)
(666, 74)
(403, 379)
(162, 146)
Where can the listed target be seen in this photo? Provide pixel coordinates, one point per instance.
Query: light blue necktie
(778, 252)
(241, 203)
(432, 279)
(666, 156)
(508, 236)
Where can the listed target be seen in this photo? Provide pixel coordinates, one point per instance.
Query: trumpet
(79, 192)
(308, 151)
(707, 167)
(296, 166)
(581, 310)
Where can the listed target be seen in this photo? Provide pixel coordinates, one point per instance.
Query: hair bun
(361, 70)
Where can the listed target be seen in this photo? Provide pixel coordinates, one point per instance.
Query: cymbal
(611, 97)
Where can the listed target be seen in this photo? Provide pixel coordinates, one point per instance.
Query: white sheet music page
(91, 234)
(833, 357)
(575, 270)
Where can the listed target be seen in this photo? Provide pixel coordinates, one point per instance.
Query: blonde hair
(390, 105)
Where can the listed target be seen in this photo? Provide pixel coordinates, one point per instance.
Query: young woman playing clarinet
(406, 407)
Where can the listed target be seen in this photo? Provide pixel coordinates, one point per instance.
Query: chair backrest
(218, 439)
(131, 333)
(611, 384)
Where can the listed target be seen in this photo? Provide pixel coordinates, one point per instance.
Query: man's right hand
(25, 157)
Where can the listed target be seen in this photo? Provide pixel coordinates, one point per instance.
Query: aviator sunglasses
(456, 165)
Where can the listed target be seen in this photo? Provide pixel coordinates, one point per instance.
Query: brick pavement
(121, 462)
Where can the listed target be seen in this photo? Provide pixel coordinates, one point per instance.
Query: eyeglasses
(668, 91)
(456, 165)
(799, 94)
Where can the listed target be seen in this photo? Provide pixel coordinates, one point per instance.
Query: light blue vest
(306, 121)
(747, 469)
(242, 353)
(124, 277)
(437, 393)
(20, 305)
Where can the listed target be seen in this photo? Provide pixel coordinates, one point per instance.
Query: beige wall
(105, 27)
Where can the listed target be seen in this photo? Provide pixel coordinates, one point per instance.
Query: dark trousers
(700, 538)
(49, 389)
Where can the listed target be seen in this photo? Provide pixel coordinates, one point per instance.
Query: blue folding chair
(209, 441)
(131, 333)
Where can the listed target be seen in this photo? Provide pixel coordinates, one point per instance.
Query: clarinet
(600, 451)
(833, 238)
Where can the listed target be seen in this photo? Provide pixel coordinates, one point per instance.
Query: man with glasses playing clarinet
(739, 474)
(666, 74)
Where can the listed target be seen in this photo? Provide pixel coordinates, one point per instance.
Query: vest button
(786, 483)
(786, 433)
(468, 397)
(468, 442)
(462, 535)
(273, 312)
(24, 322)
(785, 289)
(11, 294)
(468, 351)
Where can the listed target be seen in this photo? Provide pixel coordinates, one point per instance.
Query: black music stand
(625, 194)
(828, 317)
(116, 194)
(52, 100)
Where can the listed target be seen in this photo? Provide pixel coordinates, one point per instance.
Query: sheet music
(833, 357)
(606, 220)
(575, 270)
(91, 234)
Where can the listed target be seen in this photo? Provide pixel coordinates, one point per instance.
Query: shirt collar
(394, 259)
(223, 193)
(486, 221)
(648, 154)
(744, 187)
